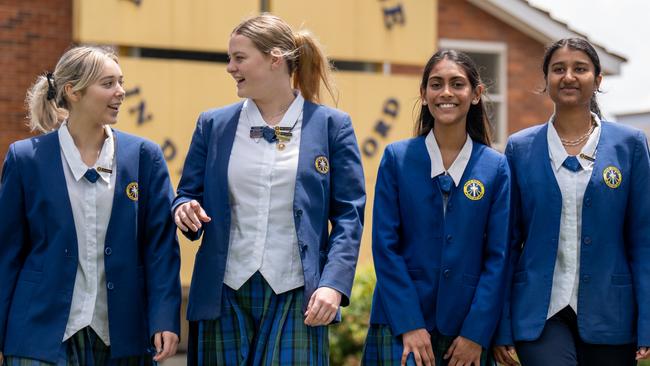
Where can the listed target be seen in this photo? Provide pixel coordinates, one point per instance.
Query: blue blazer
(38, 250)
(433, 271)
(337, 196)
(614, 293)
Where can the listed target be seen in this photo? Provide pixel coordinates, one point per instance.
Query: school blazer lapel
(58, 188)
(605, 157)
(124, 213)
(541, 171)
(310, 140)
(222, 141)
(539, 191)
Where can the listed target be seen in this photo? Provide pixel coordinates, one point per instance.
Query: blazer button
(109, 285)
(588, 201)
(449, 238)
(446, 273)
(108, 251)
(449, 207)
(587, 240)
(298, 213)
(586, 278)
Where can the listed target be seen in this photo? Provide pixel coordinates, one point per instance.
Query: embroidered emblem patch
(322, 165)
(612, 176)
(132, 191)
(474, 189)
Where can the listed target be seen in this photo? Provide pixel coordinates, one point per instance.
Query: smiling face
(449, 93)
(251, 69)
(100, 101)
(572, 78)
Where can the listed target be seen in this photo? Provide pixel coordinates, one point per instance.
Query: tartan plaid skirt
(383, 349)
(258, 327)
(84, 348)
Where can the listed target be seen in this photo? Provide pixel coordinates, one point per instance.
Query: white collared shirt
(91, 209)
(572, 185)
(261, 183)
(456, 169)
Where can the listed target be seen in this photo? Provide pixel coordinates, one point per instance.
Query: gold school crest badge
(132, 191)
(322, 165)
(612, 176)
(474, 189)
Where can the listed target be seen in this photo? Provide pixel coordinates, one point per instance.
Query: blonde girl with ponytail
(275, 188)
(89, 263)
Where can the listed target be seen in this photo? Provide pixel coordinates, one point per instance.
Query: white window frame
(501, 50)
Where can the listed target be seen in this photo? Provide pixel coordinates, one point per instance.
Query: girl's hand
(463, 352)
(505, 355)
(189, 216)
(166, 344)
(418, 342)
(322, 307)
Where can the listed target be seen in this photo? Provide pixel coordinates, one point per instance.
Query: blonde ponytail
(79, 67)
(312, 68)
(44, 115)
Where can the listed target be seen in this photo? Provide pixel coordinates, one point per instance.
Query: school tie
(445, 183)
(269, 134)
(572, 163)
(91, 175)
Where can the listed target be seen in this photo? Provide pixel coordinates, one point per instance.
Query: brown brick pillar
(33, 35)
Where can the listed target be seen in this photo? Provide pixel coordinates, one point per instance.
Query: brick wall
(33, 35)
(461, 20)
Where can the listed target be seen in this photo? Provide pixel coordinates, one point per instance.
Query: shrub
(347, 337)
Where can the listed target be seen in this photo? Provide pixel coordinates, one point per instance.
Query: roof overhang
(540, 26)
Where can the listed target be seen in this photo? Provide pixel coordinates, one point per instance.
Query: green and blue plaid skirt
(84, 348)
(383, 349)
(258, 327)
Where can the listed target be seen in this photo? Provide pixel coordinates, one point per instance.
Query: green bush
(347, 337)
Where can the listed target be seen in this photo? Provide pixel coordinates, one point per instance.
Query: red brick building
(33, 35)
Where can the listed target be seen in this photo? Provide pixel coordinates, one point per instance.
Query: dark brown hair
(576, 44)
(478, 124)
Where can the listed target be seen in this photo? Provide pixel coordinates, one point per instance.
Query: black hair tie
(51, 90)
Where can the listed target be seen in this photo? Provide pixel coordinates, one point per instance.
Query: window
(490, 57)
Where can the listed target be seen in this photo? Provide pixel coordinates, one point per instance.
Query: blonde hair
(80, 66)
(307, 63)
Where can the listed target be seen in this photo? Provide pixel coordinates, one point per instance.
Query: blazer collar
(539, 162)
(57, 186)
(457, 168)
(127, 186)
(223, 136)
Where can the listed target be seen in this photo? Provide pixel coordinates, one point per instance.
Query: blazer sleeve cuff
(476, 334)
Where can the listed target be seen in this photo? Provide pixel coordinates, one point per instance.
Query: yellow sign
(399, 31)
(199, 25)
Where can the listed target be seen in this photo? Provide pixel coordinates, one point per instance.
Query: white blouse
(261, 183)
(572, 185)
(91, 210)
